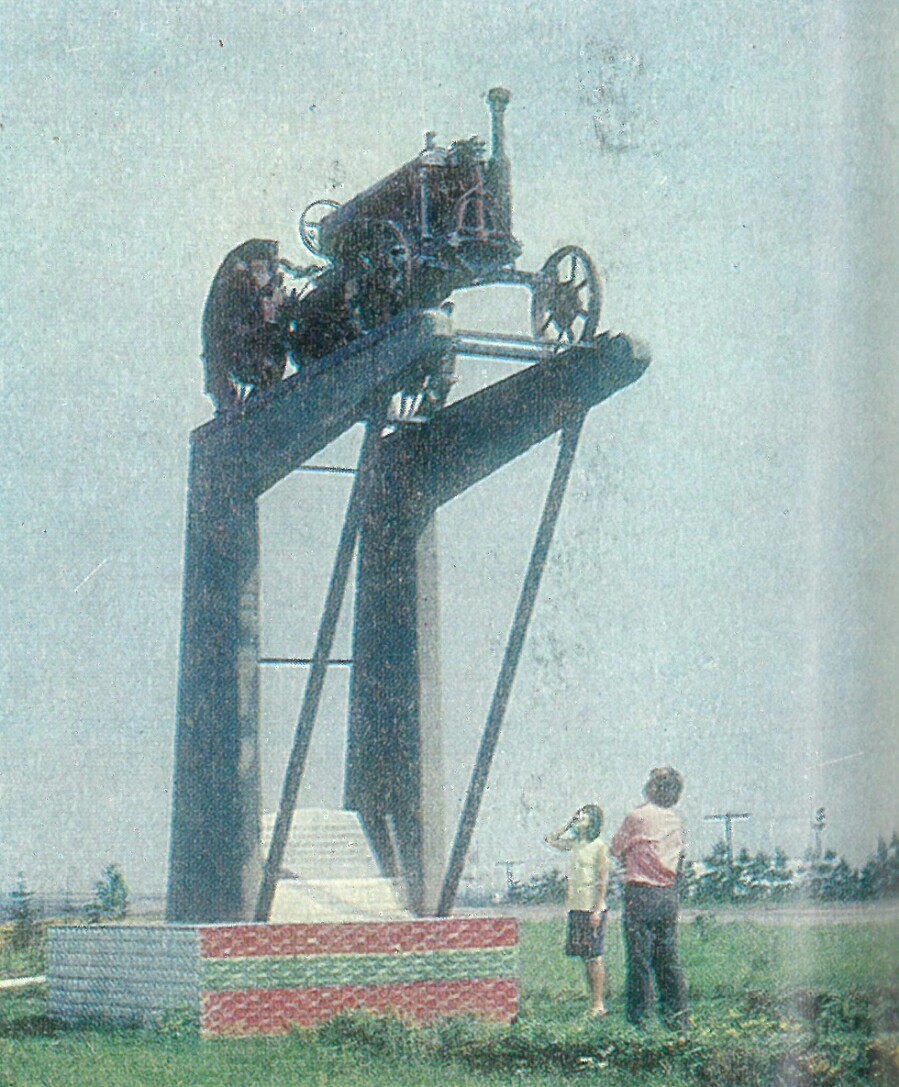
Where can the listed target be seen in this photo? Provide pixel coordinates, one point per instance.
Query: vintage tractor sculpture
(439, 223)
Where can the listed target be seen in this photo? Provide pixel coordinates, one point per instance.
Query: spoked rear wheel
(567, 297)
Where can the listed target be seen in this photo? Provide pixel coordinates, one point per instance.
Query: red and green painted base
(267, 978)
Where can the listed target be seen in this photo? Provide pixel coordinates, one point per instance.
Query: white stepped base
(329, 873)
(337, 900)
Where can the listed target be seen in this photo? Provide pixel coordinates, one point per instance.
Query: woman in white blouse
(588, 876)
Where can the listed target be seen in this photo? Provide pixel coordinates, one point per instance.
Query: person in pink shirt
(650, 845)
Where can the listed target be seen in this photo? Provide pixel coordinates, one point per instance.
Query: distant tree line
(749, 878)
(765, 877)
(109, 903)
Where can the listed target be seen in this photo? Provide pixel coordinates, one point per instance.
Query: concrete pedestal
(266, 978)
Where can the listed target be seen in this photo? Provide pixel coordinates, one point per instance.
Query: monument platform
(329, 872)
(266, 978)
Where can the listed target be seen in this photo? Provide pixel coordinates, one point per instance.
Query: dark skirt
(583, 941)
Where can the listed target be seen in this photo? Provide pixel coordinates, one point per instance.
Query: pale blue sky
(721, 591)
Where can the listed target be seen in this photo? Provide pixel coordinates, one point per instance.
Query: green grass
(812, 1006)
(134, 1059)
(21, 964)
(131, 1060)
(723, 959)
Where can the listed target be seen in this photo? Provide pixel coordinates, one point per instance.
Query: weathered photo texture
(642, 515)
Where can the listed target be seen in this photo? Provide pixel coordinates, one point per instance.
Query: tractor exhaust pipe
(499, 172)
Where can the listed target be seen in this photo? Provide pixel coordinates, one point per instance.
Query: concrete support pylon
(216, 867)
(394, 770)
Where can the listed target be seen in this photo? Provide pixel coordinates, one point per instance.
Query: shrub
(25, 929)
(548, 887)
(110, 897)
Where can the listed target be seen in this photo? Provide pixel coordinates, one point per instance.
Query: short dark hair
(664, 786)
(595, 817)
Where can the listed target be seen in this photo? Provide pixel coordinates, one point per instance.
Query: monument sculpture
(366, 324)
(260, 944)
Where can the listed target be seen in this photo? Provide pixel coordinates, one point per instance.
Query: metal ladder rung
(332, 469)
(306, 661)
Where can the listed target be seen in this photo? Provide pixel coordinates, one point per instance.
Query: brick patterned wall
(249, 978)
(263, 978)
(274, 1011)
(225, 941)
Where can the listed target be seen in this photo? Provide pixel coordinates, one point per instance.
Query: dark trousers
(650, 941)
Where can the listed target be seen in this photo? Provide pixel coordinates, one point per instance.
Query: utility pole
(728, 818)
(508, 865)
(818, 828)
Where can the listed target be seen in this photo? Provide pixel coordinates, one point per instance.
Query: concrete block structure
(266, 978)
(122, 973)
(329, 872)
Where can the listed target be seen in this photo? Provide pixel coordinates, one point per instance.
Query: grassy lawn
(723, 959)
(802, 1006)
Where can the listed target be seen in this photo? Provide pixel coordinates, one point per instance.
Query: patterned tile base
(262, 979)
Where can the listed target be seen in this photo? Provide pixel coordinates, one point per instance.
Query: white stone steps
(329, 872)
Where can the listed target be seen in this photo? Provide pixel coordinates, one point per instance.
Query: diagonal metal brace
(315, 681)
(570, 434)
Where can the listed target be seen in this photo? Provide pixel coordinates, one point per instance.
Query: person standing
(588, 876)
(650, 844)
